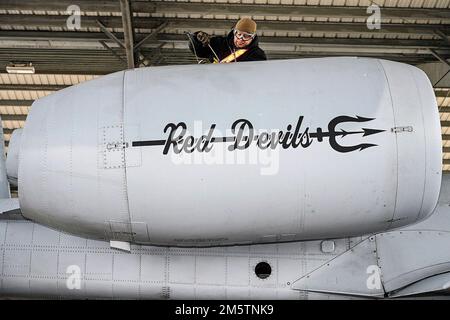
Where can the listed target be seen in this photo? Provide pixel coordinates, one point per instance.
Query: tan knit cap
(246, 25)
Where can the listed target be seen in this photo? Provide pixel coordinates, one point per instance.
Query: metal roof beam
(229, 9)
(61, 5)
(114, 53)
(128, 32)
(13, 117)
(8, 131)
(222, 24)
(109, 34)
(32, 87)
(16, 103)
(151, 35)
(169, 37)
(92, 64)
(285, 10)
(443, 36)
(439, 57)
(152, 58)
(441, 94)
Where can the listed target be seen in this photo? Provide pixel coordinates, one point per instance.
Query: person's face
(242, 39)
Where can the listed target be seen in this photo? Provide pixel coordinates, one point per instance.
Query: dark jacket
(224, 46)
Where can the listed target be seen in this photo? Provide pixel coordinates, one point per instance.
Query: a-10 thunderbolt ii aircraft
(295, 179)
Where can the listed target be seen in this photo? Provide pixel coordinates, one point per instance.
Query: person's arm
(205, 49)
(198, 48)
(217, 43)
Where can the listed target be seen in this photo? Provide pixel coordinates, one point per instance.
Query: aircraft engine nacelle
(204, 155)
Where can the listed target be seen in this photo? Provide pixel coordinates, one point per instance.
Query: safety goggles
(243, 35)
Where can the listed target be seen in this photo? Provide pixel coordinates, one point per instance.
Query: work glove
(203, 37)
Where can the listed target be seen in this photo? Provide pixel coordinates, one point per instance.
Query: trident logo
(332, 133)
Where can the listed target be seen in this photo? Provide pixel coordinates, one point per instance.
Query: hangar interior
(47, 45)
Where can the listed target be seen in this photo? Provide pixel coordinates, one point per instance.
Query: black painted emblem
(244, 135)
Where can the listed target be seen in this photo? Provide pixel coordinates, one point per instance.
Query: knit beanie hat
(246, 25)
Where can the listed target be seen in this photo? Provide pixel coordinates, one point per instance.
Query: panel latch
(402, 129)
(116, 145)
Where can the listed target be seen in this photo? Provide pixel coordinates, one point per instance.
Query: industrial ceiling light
(20, 68)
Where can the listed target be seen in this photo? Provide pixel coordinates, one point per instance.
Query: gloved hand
(203, 37)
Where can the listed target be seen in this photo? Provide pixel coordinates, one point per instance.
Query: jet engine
(222, 154)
